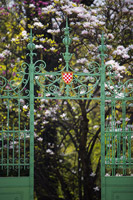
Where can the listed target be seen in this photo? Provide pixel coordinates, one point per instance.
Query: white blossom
(78, 10)
(42, 39)
(63, 115)
(75, 38)
(22, 101)
(36, 19)
(49, 151)
(47, 113)
(85, 70)
(96, 189)
(40, 139)
(25, 107)
(84, 32)
(86, 24)
(39, 46)
(53, 31)
(13, 39)
(82, 60)
(110, 36)
(2, 56)
(38, 24)
(107, 174)
(125, 10)
(48, 9)
(24, 33)
(5, 53)
(45, 122)
(31, 6)
(82, 15)
(127, 119)
(122, 51)
(118, 122)
(35, 122)
(92, 174)
(96, 126)
(115, 65)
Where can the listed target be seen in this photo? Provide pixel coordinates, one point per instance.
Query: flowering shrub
(66, 130)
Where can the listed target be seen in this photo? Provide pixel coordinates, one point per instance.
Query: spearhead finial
(102, 47)
(31, 46)
(67, 41)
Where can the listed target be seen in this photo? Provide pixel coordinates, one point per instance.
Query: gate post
(102, 48)
(31, 47)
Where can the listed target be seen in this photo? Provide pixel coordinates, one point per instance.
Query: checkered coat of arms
(67, 77)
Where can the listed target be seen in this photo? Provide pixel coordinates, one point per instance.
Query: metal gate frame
(75, 88)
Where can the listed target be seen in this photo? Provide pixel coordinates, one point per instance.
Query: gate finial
(31, 46)
(67, 41)
(102, 47)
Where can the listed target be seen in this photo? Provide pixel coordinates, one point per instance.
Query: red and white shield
(67, 77)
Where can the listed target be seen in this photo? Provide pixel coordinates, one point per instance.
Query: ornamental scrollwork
(17, 86)
(117, 87)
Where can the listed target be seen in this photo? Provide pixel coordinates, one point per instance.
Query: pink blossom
(40, 108)
(14, 74)
(7, 87)
(45, 3)
(4, 72)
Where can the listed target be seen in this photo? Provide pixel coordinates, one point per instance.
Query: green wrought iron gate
(116, 137)
(17, 134)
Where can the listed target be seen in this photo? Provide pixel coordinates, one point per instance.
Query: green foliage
(67, 133)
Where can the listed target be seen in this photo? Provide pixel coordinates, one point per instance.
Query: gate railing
(17, 144)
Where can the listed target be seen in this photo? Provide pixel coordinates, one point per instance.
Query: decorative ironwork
(116, 133)
(82, 85)
(67, 77)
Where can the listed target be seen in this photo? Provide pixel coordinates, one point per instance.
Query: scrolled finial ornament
(31, 46)
(102, 48)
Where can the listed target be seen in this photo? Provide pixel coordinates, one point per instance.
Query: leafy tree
(67, 133)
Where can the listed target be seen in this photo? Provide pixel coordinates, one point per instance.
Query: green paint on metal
(31, 47)
(116, 133)
(67, 41)
(102, 49)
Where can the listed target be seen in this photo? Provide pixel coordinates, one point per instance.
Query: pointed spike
(66, 22)
(31, 31)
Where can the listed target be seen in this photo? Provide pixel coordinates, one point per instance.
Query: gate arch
(17, 145)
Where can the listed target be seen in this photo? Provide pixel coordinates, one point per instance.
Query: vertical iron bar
(129, 147)
(24, 145)
(118, 145)
(31, 47)
(112, 129)
(8, 135)
(119, 149)
(2, 152)
(109, 143)
(124, 135)
(102, 48)
(114, 138)
(106, 143)
(19, 136)
(13, 146)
